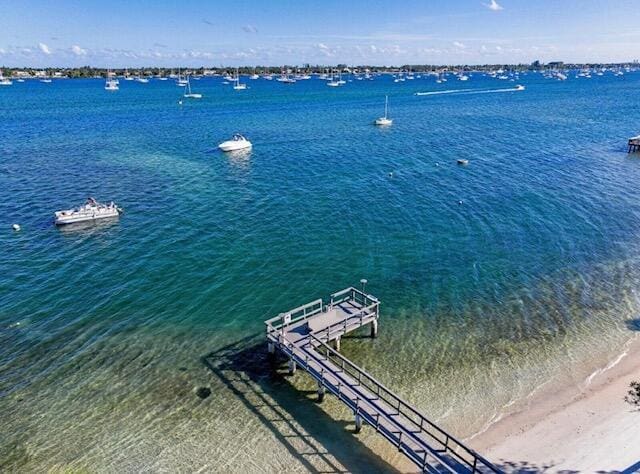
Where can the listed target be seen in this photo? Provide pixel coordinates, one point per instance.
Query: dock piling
(292, 367)
(358, 423)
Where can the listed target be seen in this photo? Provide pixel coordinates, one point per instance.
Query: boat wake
(471, 91)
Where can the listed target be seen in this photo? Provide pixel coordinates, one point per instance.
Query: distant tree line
(89, 71)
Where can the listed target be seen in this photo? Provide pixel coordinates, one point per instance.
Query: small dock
(304, 335)
(634, 144)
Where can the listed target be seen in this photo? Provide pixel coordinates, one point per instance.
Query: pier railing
(352, 294)
(304, 312)
(357, 319)
(301, 313)
(449, 444)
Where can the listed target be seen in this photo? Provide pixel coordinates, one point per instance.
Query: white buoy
(16, 227)
(460, 202)
(391, 174)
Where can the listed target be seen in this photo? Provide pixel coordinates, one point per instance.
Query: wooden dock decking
(303, 334)
(634, 144)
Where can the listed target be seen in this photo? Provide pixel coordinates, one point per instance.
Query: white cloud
(44, 48)
(249, 29)
(459, 45)
(78, 51)
(495, 6)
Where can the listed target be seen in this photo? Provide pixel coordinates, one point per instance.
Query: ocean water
(517, 272)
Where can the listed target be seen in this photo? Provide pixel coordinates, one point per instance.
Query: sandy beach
(581, 429)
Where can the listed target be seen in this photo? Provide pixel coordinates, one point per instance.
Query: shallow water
(103, 328)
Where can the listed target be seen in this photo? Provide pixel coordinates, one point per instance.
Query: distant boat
(238, 86)
(237, 142)
(383, 121)
(188, 94)
(332, 81)
(111, 83)
(5, 81)
(520, 87)
(46, 81)
(285, 79)
(141, 79)
(181, 82)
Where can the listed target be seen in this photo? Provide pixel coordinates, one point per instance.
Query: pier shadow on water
(321, 443)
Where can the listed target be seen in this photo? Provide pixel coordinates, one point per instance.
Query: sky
(117, 33)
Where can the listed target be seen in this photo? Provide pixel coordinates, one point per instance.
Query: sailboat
(237, 86)
(332, 82)
(190, 95)
(180, 82)
(383, 121)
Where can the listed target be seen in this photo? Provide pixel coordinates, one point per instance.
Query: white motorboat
(91, 210)
(520, 87)
(188, 94)
(142, 79)
(111, 84)
(238, 142)
(383, 121)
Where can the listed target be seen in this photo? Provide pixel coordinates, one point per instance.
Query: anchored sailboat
(383, 121)
(188, 94)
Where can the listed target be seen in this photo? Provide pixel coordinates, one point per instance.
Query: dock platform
(304, 334)
(634, 144)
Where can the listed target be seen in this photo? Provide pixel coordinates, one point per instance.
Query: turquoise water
(531, 279)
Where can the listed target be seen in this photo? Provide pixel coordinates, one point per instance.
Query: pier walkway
(303, 336)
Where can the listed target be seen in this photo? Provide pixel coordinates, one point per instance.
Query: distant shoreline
(91, 71)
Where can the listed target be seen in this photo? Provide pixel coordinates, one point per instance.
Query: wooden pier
(303, 336)
(634, 144)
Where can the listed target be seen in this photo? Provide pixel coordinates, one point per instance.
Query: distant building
(556, 64)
